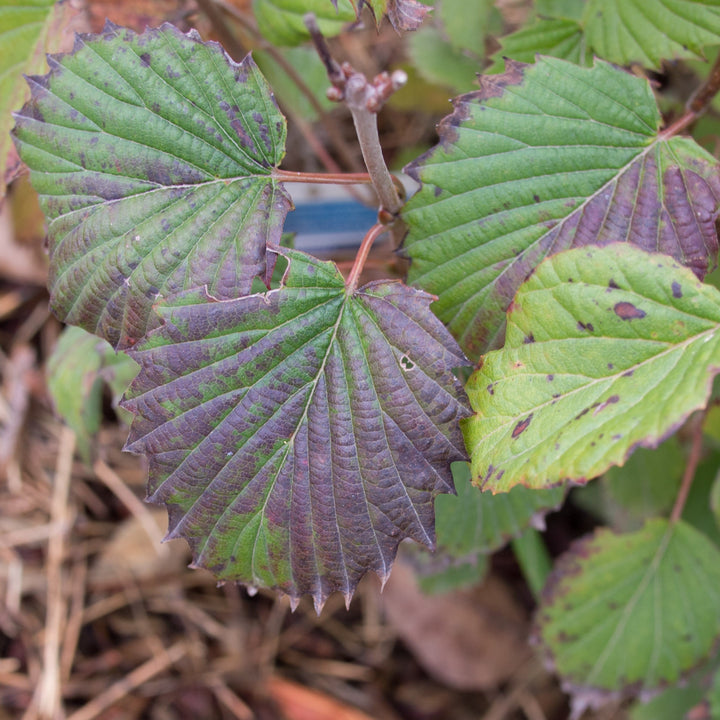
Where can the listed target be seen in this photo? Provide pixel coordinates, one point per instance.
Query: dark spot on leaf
(617, 437)
(628, 373)
(529, 339)
(677, 290)
(582, 326)
(610, 366)
(550, 378)
(437, 191)
(628, 311)
(612, 285)
(599, 407)
(522, 426)
(584, 412)
(536, 198)
(145, 59)
(491, 389)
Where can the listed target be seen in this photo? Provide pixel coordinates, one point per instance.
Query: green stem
(534, 560)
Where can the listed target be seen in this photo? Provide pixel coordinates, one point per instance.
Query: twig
(128, 498)
(118, 690)
(364, 99)
(48, 690)
(701, 98)
(697, 104)
(75, 619)
(690, 468)
(230, 700)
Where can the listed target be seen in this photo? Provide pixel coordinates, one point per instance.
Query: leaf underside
(607, 349)
(297, 436)
(541, 159)
(153, 157)
(627, 613)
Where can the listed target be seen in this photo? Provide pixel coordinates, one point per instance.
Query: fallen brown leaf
(470, 640)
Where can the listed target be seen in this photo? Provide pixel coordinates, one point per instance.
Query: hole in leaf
(406, 363)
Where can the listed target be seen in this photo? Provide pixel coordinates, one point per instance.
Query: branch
(364, 99)
(690, 468)
(698, 103)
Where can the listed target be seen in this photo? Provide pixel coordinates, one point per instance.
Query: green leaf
(281, 21)
(153, 156)
(543, 158)
(556, 37)
(607, 349)
(568, 9)
(22, 28)
(474, 522)
(297, 436)
(439, 62)
(466, 25)
(645, 486)
(440, 572)
(76, 372)
(634, 612)
(625, 31)
(307, 62)
(670, 704)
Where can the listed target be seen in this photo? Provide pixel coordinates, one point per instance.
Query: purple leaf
(297, 436)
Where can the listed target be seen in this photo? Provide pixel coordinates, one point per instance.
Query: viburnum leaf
(625, 31)
(153, 156)
(558, 37)
(476, 522)
(670, 704)
(627, 613)
(77, 369)
(23, 30)
(281, 21)
(568, 9)
(473, 524)
(439, 62)
(543, 158)
(646, 486)
(607, 349)
(298, 435)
